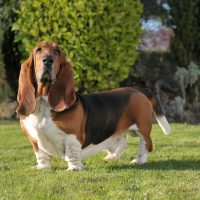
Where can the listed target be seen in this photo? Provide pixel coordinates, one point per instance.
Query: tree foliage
(5, 90)
(99, 37)
(8, 70)
(186, 21)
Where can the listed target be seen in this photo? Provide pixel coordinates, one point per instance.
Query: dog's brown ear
(62, 93)
(26, 90)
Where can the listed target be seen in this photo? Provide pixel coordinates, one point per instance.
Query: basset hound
(60, 122)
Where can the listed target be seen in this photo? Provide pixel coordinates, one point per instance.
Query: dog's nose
(47, 60)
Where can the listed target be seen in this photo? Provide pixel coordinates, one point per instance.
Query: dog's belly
(42, 129)
(110, 143)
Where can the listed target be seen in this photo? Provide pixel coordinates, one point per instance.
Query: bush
(6, 50)
(185, 19)
(9, 54)
(99, 37)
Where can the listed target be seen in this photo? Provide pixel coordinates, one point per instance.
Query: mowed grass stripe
(173, 171)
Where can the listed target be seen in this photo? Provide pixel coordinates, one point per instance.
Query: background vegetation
(168, 74)
(7, 69)
(99, 37)
(186, 22)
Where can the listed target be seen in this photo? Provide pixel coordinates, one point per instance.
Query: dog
(61, 122)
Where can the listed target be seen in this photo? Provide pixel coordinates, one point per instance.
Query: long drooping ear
(26, 90)
(62, 93)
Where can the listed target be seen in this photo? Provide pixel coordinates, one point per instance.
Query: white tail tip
(162, 121)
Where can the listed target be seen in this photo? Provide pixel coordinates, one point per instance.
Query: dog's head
(45, 73)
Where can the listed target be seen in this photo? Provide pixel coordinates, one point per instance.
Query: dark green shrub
(3, 84)
(9, 57)
(98, 36)
(185, 17)
(7, 69)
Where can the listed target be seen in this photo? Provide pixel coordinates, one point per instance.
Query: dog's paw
(138, 161)
(75, 168)
(42, 166)
(111, 157)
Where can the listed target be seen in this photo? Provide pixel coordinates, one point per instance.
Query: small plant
(187, 77)
(190, 75)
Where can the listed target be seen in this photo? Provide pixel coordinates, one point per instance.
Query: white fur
(142, 152)
(134, 127)
(116, 149)
(50, 139)
(133, 130)
(42, 129)
(43, 160)
(162, 121)
(73, 153)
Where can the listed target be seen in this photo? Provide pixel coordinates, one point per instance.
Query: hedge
(99, 37)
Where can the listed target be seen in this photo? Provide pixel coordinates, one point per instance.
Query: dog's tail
(160, 117)
(157, 111)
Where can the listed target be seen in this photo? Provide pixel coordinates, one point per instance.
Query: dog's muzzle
(46, 78)
(44, 84)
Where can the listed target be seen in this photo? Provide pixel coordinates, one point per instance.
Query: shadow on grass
(161, 165)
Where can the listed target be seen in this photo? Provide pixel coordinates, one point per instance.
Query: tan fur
(138, 111)
(72, 121)
(62, 92)
(26, 90)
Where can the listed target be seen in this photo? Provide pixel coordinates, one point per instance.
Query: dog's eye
(38, 50)
(57, 51)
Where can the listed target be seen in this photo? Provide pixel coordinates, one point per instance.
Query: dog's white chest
(43, 130)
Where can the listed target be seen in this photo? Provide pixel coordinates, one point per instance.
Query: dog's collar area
(74, 103)
(73, 106)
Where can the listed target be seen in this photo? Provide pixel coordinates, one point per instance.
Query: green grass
(173, 171)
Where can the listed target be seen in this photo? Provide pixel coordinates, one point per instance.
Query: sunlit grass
(173, 171)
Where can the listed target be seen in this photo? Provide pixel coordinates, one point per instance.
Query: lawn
(173, 171)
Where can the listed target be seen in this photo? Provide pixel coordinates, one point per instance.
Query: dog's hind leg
(145, 143)
(143, 130)
(116, 147)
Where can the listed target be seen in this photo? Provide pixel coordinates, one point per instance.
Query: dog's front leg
(43, 159)
(73, 153)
